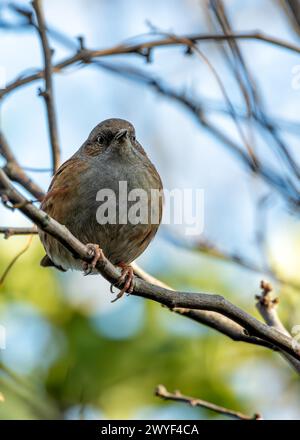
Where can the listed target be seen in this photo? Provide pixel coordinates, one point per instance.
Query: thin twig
(162, 392)
(9, 231)
(248, 84)
(267, 307)
(48, 92)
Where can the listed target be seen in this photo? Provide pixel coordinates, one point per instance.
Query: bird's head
(113, 137)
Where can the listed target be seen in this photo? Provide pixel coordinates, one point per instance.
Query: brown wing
(60, 199)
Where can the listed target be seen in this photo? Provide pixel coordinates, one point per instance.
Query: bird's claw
(126, 277)
(97, 254)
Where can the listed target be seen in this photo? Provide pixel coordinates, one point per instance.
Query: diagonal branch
(169, 298)
(214, 320)
(47, 94)
(223, 325)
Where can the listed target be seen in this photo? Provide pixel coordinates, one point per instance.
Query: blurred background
(69, 352)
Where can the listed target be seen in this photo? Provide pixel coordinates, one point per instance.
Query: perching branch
(47, 94)
(171, 299)
(162, 392)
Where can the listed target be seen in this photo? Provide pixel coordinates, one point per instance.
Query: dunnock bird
(111, 154)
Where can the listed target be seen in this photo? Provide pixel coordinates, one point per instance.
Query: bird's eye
(133, 138)
(100, 139)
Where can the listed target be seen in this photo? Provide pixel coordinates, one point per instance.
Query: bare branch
(86, 55)
(214, 320)
(48, 92)
(223, 325)
(162, 392)
(9, 231)
(250, 89)
(285, 187)
(171, 299)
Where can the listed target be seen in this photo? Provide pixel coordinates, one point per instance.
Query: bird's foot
(127, 277)
(97, 254)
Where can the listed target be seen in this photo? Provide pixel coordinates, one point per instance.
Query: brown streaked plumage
(109, 155)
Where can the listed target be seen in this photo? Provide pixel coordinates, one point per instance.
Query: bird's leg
(127, 277)
(97, 254)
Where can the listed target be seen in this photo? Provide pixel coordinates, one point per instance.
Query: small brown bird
(111, 155)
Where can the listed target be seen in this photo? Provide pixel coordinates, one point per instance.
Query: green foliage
(117, 376)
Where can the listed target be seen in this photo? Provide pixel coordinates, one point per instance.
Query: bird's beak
(121, 134)
(121, 144)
